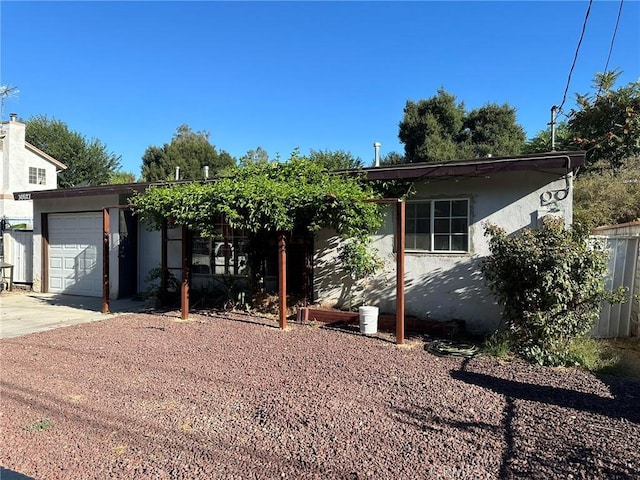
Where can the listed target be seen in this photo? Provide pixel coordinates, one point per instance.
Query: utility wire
(613, 39)
(575, 57)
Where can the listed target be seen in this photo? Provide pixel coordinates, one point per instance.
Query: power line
(613, 38)
(575, 57)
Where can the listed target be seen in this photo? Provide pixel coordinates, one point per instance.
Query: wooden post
(163, 262)
(184, 290)
(282, 278)
(105, 260)
(400, 234)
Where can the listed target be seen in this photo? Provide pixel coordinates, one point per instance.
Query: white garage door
(75, 254)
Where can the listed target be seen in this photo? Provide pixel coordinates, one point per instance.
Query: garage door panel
(75, 254)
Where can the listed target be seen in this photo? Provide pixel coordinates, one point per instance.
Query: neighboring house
(22, 167)
(445, 241)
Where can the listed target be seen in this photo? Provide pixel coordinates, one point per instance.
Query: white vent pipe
(376, 147)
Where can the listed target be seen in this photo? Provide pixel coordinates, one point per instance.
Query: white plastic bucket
(368, 319)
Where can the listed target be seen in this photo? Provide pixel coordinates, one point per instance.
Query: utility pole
(553, 128)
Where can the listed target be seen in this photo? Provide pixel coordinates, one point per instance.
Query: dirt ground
(628, 352)
(231, 396)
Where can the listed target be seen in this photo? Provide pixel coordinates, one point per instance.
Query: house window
(222, 254)
(437, 225)
(37, 176)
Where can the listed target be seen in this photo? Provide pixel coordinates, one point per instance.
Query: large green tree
(392, 158)
(335, 159)
(88, 161)
(607, 124)
(189, 150)
(440, 129)
(430, 128)
(541, 142)
(253, 157)
(492, 130)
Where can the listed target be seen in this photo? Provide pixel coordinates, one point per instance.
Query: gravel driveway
(150, 397)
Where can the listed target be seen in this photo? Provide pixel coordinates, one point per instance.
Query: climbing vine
(269, 197)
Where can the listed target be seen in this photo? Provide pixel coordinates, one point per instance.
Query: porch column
(282, 278)
(184, 290)
(105, 260)
(400, 237)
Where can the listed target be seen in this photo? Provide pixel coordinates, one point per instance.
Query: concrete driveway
(28, 312)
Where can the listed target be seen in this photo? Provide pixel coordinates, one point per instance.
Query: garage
(75, 253)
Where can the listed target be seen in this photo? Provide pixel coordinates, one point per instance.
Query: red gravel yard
(150, 397)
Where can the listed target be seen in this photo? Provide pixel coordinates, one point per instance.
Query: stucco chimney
(13, 117)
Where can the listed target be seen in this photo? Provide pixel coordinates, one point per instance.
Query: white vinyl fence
(18, 251)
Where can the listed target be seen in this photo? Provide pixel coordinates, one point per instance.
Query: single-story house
(445, 240)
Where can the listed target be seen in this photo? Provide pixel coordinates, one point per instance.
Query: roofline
(33, 148)
(634, 223)
(46, 156)
(563, 161)
(567, 161)
(116, 189)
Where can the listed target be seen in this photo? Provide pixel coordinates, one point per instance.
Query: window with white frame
(437, 225)
(37, 176)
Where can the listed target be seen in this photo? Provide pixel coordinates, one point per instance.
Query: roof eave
(564, 161)
(44, 155)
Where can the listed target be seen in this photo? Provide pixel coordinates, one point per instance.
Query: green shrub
(551, 282)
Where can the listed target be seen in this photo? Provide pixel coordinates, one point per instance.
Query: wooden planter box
(386, 321)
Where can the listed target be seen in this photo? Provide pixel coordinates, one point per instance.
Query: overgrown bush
(551, 282)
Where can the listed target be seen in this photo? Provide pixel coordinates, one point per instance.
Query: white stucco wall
(450, 286)
(15, 161)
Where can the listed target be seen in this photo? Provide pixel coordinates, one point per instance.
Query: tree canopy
(542, 140)
(440, 129)
(392, 158)
(259, 155)
(88, 161)
(122, 177)
(607, 124)
(189, 150)
(335, 160)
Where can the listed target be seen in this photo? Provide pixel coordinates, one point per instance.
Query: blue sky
(313, 75)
